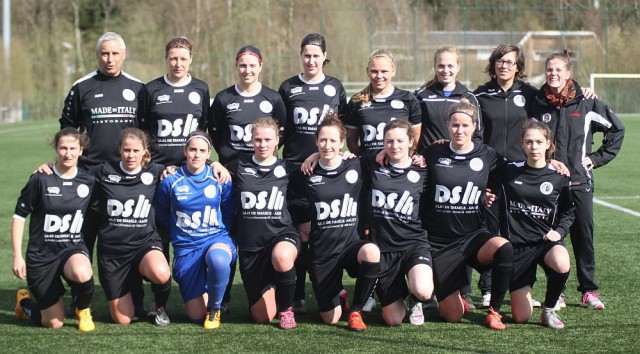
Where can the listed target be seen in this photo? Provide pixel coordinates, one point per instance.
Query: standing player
(396, 190)
(197, 209)
(102, 104)
(333, 188)
(378, 104)
(457, 176)
(57, 204)
(268, 244)
(539, 212)
(436, 96)
(309, 97)
(129, 247)
(239, 105)
(574, 119)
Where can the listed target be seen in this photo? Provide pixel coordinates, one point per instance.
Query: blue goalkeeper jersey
(195, 208)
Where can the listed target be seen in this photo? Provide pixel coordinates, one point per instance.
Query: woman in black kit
(57, 203)
(267, 242)
(539, 211)
(333, 189)
(309, 97)
(574, 119)
(457, 176)
(129, 247)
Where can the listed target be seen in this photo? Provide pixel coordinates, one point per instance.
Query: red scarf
(567, 94)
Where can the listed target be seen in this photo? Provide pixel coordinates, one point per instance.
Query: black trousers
(581, 233)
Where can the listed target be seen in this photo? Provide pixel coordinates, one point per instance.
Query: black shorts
(450, 261)
(298, 205)
(525, 261)
(326, 274)
(395, 265)
(256, 267)
(118, 273)
(44, 279)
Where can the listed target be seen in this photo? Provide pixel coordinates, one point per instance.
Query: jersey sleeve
(143, 107)
(342, 102)
(415, 112)
(72, 110)
(29, 198)
(566, 209)
(206, 109)
(605, 121)
(279, 115)
(350, 119)
(214, 126)
(227, 204)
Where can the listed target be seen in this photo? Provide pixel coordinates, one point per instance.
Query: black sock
(31, 308)
(555, 285)
(501, 274)
(137, 293)
(285, 286)
(161, 293)
(83, 293)
(227, 292)
(301, 271)
(365, 283)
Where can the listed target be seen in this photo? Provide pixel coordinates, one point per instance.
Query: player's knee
(423, 292)
(53, 323)
(520, 316)
(394, 318)
(121, 319)
(370, 253)
(451, 316)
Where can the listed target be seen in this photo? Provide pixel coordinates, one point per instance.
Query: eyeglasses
(505, 62)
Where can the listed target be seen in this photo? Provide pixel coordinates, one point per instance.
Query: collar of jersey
(166, 79)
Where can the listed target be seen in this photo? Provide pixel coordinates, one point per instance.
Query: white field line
(621, 197)
(616, 207)
(25, 129)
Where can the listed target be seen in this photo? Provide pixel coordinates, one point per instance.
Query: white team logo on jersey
(476, 164)
(128, 95)
(233, 106)
(146, 178)
(444, 161)
(83, 191)
(266, 107)
(296, 90)
(546, 117)
(114, 178)
(53, 190)
(195, 98)
(164, 98)
(519, 100)
(397, 104)
(546, 188)
(210, 192)
(413, 176)
(182, 189)
(315, 179)
(329, 90)
(352, 176)
(279, 172)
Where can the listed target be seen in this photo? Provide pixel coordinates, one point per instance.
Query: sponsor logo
(398, 203)
(53, 190)
(164, 98)
(372, 133)
(67, 183)
(296, 90)
(456, 195)
(315, 179)
(240, 133)
(135, 208)
(313, 116)
(208, 217)
(233, 106)
(250, 170)
(179, 127)
(114, 178)
(273, 200)
(345, 207)
(182, 189)
(66, 223)
(444, 161)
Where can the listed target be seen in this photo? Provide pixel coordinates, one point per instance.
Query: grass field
(614, 329)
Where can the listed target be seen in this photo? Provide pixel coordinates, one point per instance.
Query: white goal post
(594, 76)
(620, 93)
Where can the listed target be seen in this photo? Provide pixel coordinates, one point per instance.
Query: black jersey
(260, 192)
(371, 117)
(307, 104)
(57, 206)
(233, 115)
(335, 195)
(434, 106)
(395, 204)
(536, 200)
(503, 114)
(455, 185)
(102, 106)
(175, 110)
(127, 213)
